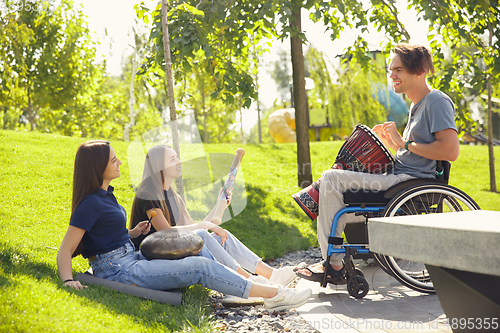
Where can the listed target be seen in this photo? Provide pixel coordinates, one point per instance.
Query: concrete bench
(461, 251)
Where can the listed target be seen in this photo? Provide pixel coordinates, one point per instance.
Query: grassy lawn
(35, 187)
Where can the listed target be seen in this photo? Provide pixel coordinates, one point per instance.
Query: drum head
(171, 244)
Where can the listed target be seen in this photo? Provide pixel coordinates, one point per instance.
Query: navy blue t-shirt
(104, 221)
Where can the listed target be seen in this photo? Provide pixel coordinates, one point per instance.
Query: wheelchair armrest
(365, 197)
(391, 192)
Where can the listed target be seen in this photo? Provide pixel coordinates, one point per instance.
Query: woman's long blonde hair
(151, 187)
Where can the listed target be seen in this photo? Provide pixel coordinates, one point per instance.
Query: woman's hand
(228, 196)
(142, 228)
(74, 284)
(219, 232)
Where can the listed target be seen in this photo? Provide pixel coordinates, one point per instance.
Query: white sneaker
(285, 275)
(287, 298)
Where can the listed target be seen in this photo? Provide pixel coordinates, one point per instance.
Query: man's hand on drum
(388, 133)
(219, 232)
(142, 228)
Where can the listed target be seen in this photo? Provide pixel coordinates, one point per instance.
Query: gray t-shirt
(433, 113)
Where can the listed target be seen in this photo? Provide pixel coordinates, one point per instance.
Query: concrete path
(388, 307)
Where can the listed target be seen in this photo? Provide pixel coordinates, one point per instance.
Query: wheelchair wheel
(380, 260)
(422, 199)
(357, 287)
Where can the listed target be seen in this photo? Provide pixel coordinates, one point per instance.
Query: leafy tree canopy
(46, 56)
(224, 31)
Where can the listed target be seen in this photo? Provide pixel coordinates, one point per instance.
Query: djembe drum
(362, 152)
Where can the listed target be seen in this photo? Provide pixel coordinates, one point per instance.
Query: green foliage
(46, 58)
(214, 117)
(224, 31)
(49, 79)
(460, 33)
(352, 101)
(349, 100)
(353, 14)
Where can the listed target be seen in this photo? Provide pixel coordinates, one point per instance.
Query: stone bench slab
(468, 241)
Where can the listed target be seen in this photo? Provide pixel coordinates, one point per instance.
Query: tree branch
(202, 1)
(220, 40)
(398, 22)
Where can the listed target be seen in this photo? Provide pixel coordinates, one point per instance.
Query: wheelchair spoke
(423, 204)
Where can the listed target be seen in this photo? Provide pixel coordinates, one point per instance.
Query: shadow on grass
(15, 262)
(193, 312)
(487, 190)
(265, 235)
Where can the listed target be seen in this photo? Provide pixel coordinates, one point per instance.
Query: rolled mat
(172, 296)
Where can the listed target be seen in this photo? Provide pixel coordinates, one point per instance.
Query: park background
(90, 99)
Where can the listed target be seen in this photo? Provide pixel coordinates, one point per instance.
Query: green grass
(35, 187)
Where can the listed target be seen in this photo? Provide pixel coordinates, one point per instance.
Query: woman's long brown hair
(151, 187)
(91, 161)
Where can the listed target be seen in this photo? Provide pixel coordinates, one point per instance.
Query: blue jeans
(232, 253)
(128, 266)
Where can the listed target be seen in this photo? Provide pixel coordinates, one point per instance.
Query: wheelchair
(412, 197)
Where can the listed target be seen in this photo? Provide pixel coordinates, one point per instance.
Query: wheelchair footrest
(350, 249)
(355, 246)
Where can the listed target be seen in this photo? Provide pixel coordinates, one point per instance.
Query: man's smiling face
(402, 80)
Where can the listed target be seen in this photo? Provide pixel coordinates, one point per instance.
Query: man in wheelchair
(430, 135)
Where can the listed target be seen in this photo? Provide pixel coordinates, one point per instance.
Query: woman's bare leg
(262, 290)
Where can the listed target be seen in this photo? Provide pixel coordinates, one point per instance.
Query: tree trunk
(300, 99)
(493, 183)
(30, 113)
(204, 110)
(258, 120)
(131, 100)
(170, 90)
(257, 89)
(241, 118)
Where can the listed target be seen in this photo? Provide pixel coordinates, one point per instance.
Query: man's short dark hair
(416, 59)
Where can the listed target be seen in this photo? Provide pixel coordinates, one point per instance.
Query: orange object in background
(281, 125)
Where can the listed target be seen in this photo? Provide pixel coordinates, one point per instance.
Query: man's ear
(423, 73)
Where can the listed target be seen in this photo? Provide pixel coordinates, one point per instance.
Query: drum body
(171, 244)
(308, 199)
(362, 152)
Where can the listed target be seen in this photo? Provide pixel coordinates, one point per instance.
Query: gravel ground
(257, 318)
